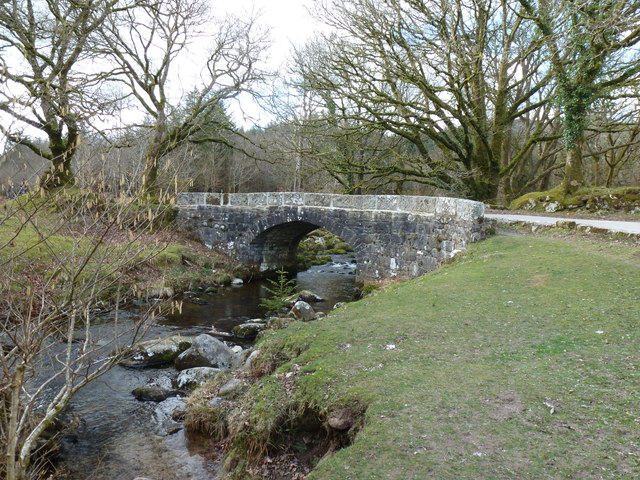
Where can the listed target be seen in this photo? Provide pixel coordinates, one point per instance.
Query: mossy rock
(590, 199)
(277, 323)
(222, 279)
(322, 241)
(247, 331)
(306, 261)
(157, 352)
(343, 246)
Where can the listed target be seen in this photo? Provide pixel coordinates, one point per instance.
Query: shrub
(281, 288)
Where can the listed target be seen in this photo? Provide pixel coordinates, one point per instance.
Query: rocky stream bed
(130, 421)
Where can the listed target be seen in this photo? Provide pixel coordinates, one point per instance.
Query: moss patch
(317, 248)
(588, 199)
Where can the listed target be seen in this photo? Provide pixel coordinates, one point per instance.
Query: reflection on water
(335, 282)
(117, 438)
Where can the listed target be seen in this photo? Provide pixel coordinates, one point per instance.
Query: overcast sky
(289, 23)
(287, 20)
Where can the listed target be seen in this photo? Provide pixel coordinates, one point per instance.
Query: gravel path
(611, 225)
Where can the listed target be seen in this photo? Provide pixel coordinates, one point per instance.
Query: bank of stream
(120, 438)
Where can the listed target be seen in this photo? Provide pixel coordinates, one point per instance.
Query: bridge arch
(276, 245)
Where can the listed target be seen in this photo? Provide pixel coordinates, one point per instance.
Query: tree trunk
(13, 469)
(610, 176)
(150, 175)
(155, 150)
(60, 174)
(573, 175)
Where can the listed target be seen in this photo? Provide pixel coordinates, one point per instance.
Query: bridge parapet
(438, 206)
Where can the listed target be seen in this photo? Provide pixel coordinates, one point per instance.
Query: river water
(117, 437)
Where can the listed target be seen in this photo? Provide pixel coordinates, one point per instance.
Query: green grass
(54, 239)
(484, 349)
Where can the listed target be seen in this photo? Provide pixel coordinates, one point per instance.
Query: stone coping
(438, 206)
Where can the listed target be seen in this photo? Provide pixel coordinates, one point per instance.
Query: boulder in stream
(193, 377)
(220, 334)
(168, 414)
(157, 352)
(198, 301)
(157, 390)
(310, 297)
(206, 351)
(302, 311)
(247, 331)
(305, 295)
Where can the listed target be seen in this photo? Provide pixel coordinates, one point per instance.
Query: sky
(289, 23)
(288, 20)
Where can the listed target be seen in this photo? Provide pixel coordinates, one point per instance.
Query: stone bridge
(392, 236)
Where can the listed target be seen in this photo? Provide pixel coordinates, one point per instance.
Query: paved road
(614, 226)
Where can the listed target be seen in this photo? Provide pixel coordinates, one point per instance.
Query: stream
(117, 437)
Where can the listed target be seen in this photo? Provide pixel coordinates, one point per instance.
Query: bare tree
(613, 139)
(63, 257)
(453, 79)
(147, 43)
(323, 139)
(50, 81)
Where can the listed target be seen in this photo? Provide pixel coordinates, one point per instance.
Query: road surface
(611, 225)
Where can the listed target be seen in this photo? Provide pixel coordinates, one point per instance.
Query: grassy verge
(70, 237)
(518, 361)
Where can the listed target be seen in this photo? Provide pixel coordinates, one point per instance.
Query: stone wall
(440, 206)
(392, 236)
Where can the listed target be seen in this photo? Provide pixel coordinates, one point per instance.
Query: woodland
(482, 99)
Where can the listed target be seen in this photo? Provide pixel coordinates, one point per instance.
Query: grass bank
(74, 239)
(520, 360)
